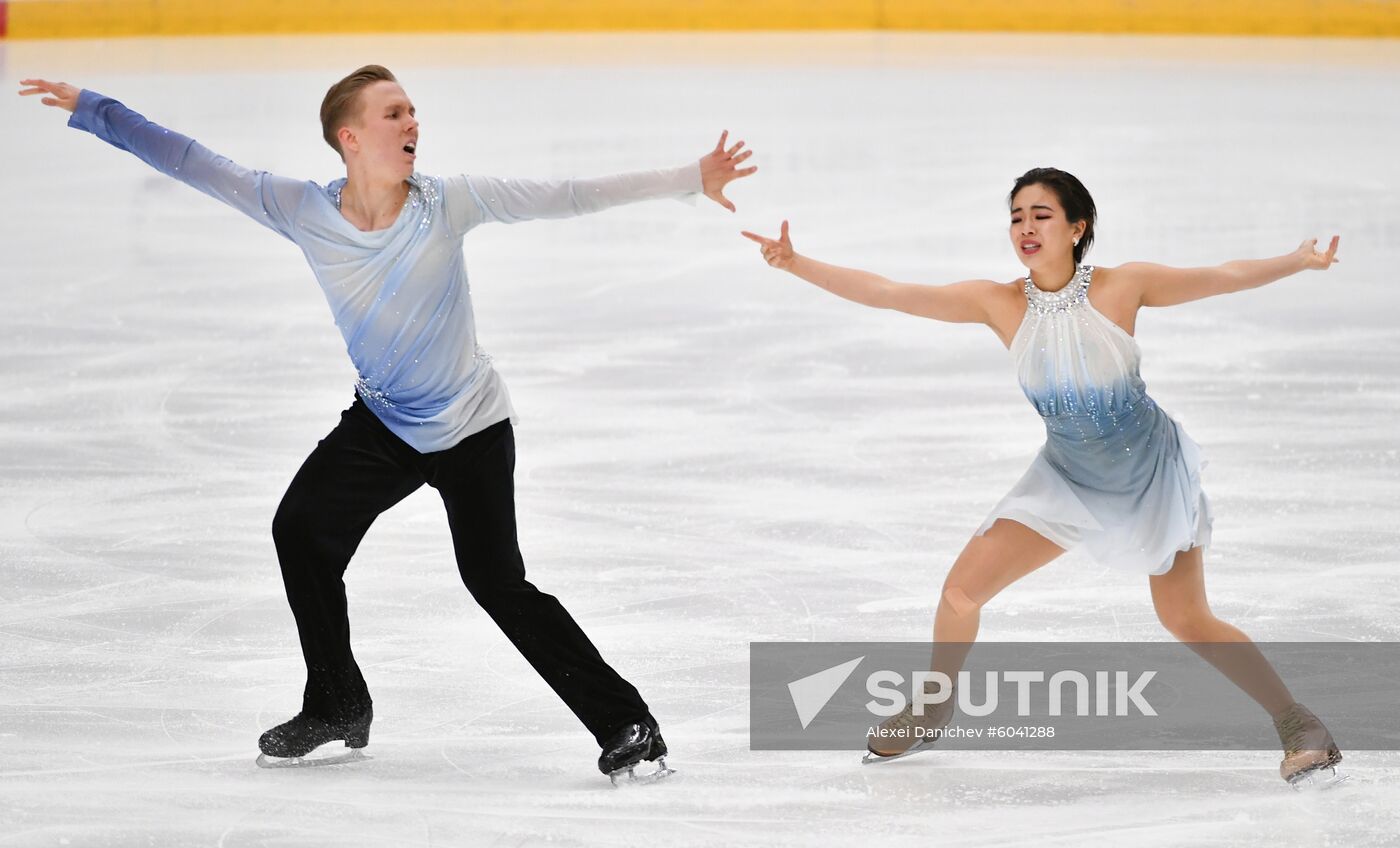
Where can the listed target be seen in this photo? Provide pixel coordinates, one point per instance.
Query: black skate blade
(871, 758)
(628, 776)
(1318, 780)
(353, 755)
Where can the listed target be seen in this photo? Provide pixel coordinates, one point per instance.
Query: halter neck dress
(1117, 477)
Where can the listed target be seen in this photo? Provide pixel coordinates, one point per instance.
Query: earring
(1076, 242)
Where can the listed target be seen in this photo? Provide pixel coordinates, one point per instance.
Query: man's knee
(489, 584)
(508, 600)
(290, 520)
(305, 529)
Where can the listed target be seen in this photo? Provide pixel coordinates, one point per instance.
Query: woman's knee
(993, 561)
(957, 599)
(1187, 623)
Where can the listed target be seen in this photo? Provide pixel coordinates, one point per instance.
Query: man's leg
(476, 481)
(356, 472)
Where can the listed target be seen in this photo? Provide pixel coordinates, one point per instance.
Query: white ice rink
(710, 452)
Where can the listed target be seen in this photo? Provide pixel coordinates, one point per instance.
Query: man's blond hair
(342, 101)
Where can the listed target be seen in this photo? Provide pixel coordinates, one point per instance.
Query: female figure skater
(1117, 476)
(385, 244)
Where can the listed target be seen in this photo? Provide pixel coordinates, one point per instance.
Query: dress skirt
(1131, 499)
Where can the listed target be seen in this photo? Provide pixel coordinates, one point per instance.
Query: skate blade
(629, 777)
(1318, 780)
(871, 758)
(353, 755)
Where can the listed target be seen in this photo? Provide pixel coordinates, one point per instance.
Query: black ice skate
(634, 742)
(288, 744)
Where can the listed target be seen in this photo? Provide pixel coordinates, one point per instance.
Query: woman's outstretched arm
(959, 303)
(1160, 285)
(270, 200)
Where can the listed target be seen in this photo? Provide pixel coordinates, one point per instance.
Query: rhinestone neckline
(1075, 292)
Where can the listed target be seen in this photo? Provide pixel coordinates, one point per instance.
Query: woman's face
(385, 135)
(1040, 234)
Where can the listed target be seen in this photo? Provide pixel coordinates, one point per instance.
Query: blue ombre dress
(1118, 476)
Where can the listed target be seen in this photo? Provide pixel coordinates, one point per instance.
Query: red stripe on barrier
(4, 17)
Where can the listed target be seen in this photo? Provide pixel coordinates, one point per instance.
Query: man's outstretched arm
(270, 200)
(473, 199)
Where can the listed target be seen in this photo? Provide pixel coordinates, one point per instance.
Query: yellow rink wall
(103, 18)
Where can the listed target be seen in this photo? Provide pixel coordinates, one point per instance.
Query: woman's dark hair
(1074, 199)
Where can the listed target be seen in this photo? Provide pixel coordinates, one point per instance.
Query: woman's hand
(63, 96)
(778, 253)
(1315, 260)
(719, 168)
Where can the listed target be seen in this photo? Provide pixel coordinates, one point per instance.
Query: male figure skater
(385, 244)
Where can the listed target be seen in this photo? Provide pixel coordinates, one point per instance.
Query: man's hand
(63, 96)
(720, 167)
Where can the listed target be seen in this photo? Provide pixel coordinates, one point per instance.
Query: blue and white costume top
(1117, 475)
(399, 295)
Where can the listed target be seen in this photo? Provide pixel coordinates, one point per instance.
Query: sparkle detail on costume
(1062, 300)
(422, 195)
(1117, 476)
(373, 396)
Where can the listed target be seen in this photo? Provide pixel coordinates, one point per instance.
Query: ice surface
(710, 452)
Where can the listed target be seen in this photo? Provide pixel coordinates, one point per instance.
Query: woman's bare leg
(988, 563)
(1008, 551)
(1180, 599)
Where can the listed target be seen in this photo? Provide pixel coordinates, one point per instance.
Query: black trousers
(360, 470)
